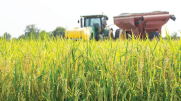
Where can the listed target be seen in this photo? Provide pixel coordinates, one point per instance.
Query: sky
(15, 15)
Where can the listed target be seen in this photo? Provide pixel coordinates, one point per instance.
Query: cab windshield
(92, 21)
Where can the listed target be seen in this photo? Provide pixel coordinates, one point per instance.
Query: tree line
(173, 36)
(32, 32)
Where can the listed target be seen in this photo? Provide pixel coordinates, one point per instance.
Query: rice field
(68, 70)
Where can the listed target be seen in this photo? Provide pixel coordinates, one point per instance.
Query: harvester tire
(110, 34)
(153, 35)
(99, 37)
(117, 33)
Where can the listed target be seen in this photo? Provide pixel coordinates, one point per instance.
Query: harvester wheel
(153, 35)
(119, 34)
(110, 34)
(99, 37)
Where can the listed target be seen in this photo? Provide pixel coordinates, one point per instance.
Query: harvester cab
(92, 27)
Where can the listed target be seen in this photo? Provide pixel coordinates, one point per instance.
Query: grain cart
(92, 27)
(141, 24)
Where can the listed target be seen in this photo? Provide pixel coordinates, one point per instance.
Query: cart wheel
(118, 34)
(153, 35)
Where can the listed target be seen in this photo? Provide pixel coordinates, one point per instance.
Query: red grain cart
(141, 23)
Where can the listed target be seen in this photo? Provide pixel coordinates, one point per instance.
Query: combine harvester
(137, 24)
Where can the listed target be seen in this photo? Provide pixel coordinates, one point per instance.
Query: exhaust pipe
(81, 21)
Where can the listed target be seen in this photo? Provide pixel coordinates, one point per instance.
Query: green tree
(43, 35)
(22, 37)
(7, 35)
(14, 39)
(31, 30)
(174, 36)
(50, 34)
(59, 31)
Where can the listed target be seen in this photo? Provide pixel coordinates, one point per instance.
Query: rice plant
(58, 70)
